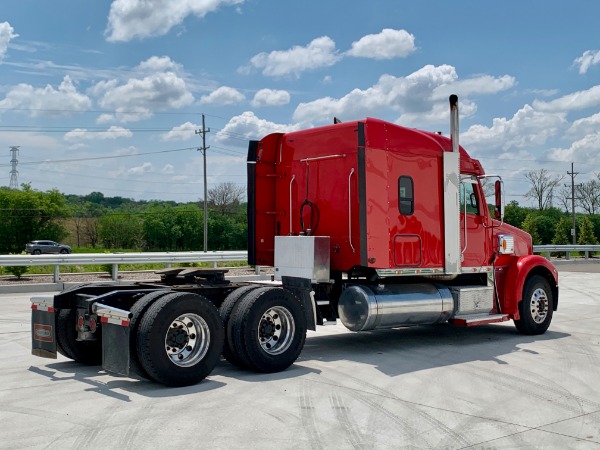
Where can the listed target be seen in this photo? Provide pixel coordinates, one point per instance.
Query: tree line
(549, 224)
(111, 223)
(99, 222)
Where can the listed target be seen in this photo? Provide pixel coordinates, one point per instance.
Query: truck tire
(536, 307)
(225, 312)
(84, 352)
(268, 329)
(137, 311)
(60, 336)
(180, 339)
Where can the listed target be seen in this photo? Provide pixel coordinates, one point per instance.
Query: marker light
(506, 244)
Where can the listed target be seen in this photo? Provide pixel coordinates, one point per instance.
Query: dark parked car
(39, 247)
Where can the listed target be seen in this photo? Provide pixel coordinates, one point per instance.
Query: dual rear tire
(265, 328)
(179, 339)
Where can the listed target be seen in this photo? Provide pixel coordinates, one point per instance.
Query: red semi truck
(368, 222)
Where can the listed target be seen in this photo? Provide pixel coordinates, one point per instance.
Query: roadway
(425, 387)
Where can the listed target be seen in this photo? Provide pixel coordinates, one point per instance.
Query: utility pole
(203, 150)
(14, 183)
(573, 174)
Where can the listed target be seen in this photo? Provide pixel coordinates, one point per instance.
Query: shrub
(17, 271)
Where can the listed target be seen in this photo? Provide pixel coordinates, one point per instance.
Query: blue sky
(106, 96)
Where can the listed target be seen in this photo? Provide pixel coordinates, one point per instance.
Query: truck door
(475, 244)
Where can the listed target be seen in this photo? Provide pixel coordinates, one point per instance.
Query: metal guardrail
(566, 249)
(119, 258)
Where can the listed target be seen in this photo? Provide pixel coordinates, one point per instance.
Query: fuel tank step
(473, 320)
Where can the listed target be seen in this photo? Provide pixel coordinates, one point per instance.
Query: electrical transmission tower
(14, 183)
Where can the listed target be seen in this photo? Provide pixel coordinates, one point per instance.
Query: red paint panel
(407, 250)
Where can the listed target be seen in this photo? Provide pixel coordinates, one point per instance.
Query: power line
(95, 158)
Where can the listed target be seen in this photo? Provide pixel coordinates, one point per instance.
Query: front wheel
(180, 339)
(536, 307)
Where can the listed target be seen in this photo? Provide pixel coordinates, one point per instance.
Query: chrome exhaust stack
(454, 122)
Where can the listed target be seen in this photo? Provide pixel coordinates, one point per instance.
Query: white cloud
(270, 97)
(7, 33)
(587, 60)
(386, 45)
(129, 19)
(168, 169)
(113, 132)
(183, 132)
(137, 98)
(320, 52)
(63, 100)
(439, 113)
(146, 167)
(416, 95)
(223, 96)
(527, 128)
(481, 84)
(582, 127)
(585, 149)
(247, 126)
(159, 64)
(577, 100)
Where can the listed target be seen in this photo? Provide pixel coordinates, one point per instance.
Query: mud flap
(115, 338)
(43, 327)
(302, 288)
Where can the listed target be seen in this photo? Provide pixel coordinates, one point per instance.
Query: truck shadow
(393, 352)
(404, 350)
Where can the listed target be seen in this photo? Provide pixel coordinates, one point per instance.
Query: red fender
(517, 275)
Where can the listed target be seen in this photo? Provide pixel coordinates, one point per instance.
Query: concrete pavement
(425, 387)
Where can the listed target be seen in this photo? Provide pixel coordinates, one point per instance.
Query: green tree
(121, 230)
(27, 214)
(515, 214)
(586, 232)
(530, 226)
(169, 227)
(595, 219)
(562, 232)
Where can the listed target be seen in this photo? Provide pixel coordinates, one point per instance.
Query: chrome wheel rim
(276, 330)
(187, 340)
(539, 306)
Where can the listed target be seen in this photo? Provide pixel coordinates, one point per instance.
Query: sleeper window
(406, 198)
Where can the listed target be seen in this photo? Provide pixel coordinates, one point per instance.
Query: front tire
(268, 329)
(536, 307)
(180, 339)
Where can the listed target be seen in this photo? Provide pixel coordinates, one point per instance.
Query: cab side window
(406, 197)
(468, 197)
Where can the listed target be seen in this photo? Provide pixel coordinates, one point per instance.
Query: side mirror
(499, 203)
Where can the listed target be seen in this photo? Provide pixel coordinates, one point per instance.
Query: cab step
(473, 320)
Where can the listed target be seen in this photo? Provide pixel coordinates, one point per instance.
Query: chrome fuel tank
(363, 308)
